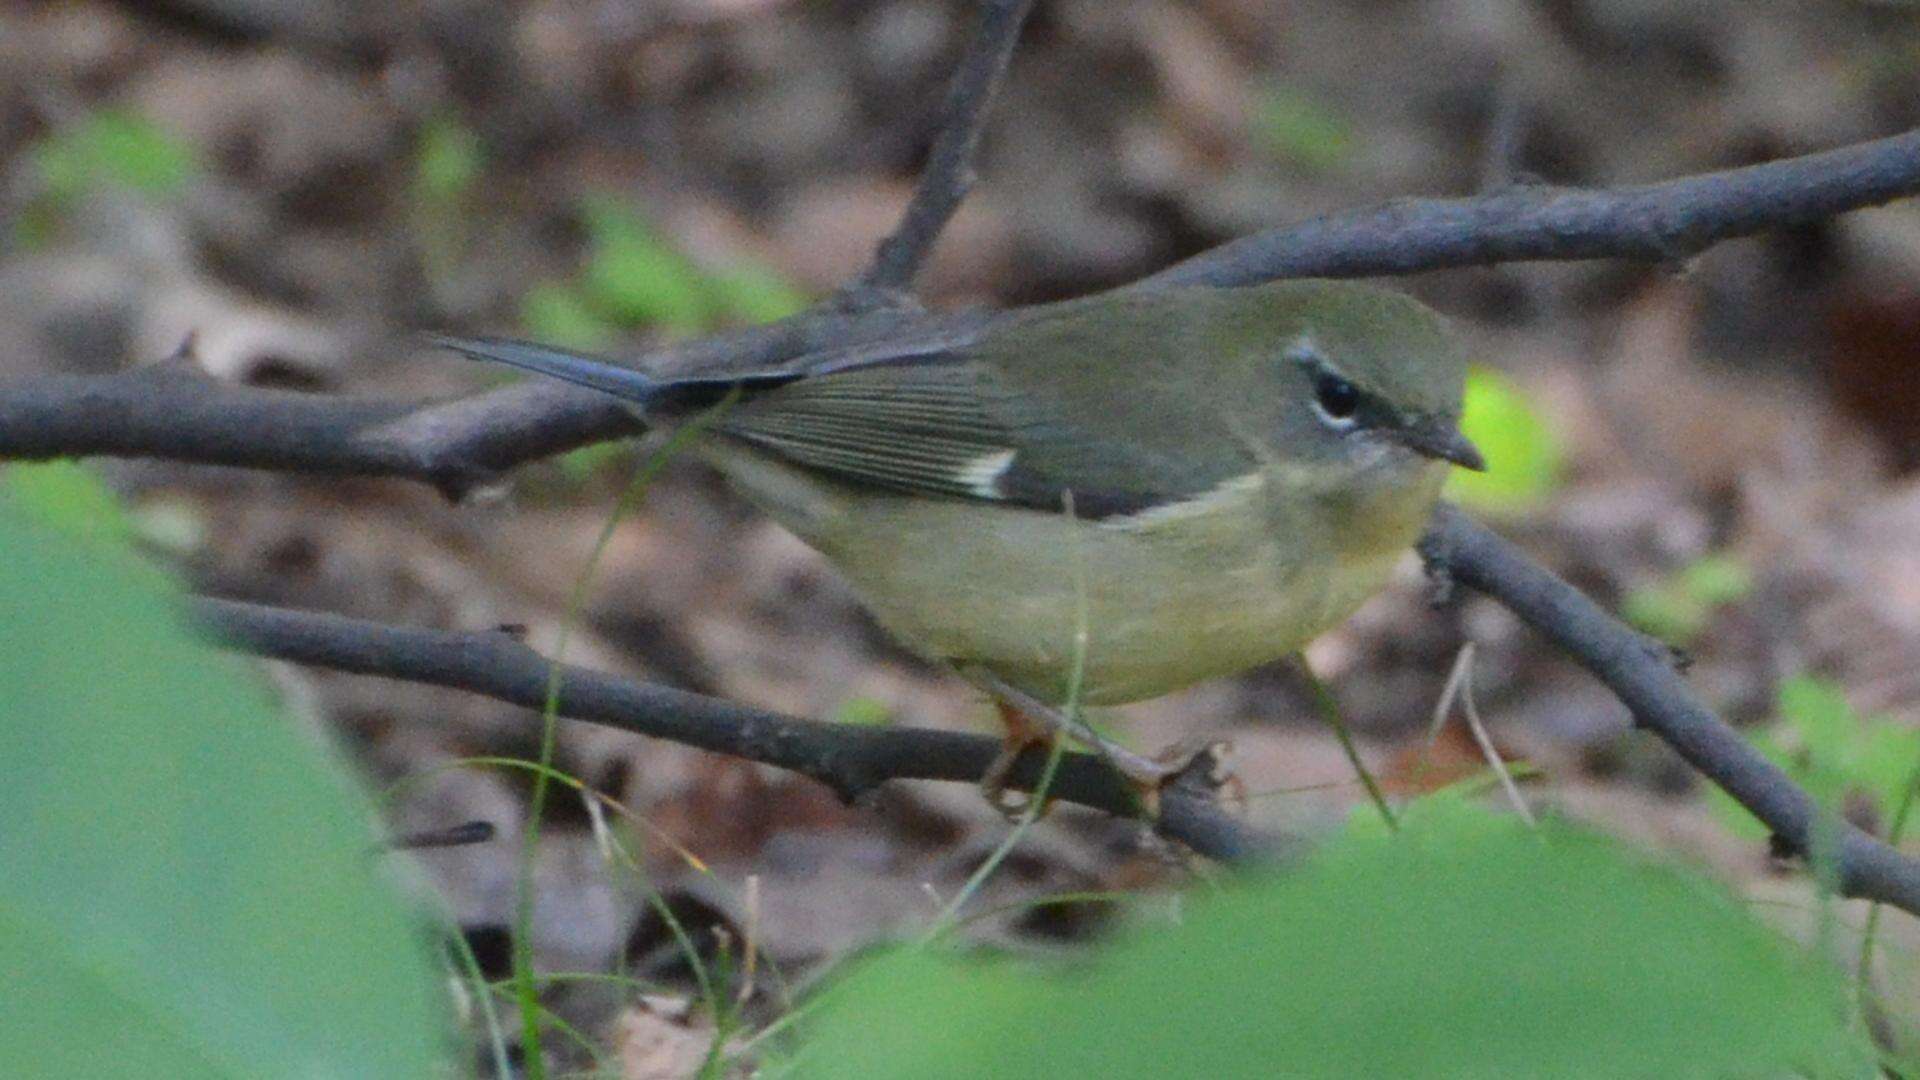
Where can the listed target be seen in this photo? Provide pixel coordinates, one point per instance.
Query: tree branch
(1641, 673)
(949, 174)
(853, 760)
(1663, 222)
(173, 412)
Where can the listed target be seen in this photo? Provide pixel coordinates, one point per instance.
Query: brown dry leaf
(1422, 768)
(1674, 417)
(1205, 89)
(660, 1038)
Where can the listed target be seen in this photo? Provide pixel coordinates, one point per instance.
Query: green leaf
(755, 294)
(69, 497)
(1671, 616)
(1678, 610)
(1302, 130)
(1832, 751)
(1717, 579)
(190, 885)
(634, 277)
(579, 466)
(447, 160)
(555, 312)
(863, 712)
(1463, 946)
(1523, 458)
(116, 148)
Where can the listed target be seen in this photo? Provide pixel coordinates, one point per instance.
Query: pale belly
(1163, 602)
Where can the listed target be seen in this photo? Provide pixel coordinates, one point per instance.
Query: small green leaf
(634, 277)
(557, 313)
(447, 160)
(1678, 610)
(1832, 751)
(1664, 613)
(579, 466)
(755, 294)
(116, 148)
(1464, 945)
(1523, 457)
(863, 711)
(1302, 130)
(1717, 579)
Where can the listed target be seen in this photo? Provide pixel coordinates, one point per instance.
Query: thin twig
(948, 174)
(1641, 673)
(853, 760)
(1460, 682)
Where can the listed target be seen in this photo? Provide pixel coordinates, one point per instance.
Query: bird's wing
(947, 425)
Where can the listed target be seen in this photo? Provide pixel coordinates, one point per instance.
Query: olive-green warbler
(1203, 479)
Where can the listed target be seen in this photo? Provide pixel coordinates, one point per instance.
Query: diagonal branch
(949, 174)
(1663, 222)
(853, 760)
(1641, 673)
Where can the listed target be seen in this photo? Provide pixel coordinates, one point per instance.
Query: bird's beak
(1441, 439)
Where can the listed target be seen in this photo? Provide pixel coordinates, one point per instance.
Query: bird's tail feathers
(650, 395)
(622, 382)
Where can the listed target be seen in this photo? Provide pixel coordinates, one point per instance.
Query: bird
(1093, 501)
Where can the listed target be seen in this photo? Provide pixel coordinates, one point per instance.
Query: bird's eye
(1337, 398)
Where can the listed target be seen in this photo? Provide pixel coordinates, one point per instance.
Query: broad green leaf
(1523, 457)
(1464, 946)
(69, 497)
(190, 885)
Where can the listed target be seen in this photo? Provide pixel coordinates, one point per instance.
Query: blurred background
(1724, 450)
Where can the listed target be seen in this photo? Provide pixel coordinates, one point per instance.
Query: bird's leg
(1020, 735)
(1027, 719)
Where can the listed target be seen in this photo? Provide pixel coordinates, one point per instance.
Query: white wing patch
(981, 476)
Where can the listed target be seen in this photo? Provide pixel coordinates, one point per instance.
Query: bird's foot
(1021, 735)
(1032, 724)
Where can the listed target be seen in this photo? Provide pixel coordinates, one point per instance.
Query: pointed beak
(1441, 439)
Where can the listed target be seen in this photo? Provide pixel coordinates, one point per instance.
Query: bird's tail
(625, 383)
(651, 396)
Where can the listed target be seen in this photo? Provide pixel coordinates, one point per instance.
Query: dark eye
(1337, 397)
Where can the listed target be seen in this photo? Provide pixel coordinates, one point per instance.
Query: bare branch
(1641, 673)
(1663, 222)
(173, 413)
(182, 416)
(851, 759)
(948, 175)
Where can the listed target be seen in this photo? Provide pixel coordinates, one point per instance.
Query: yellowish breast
(1167, 598)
